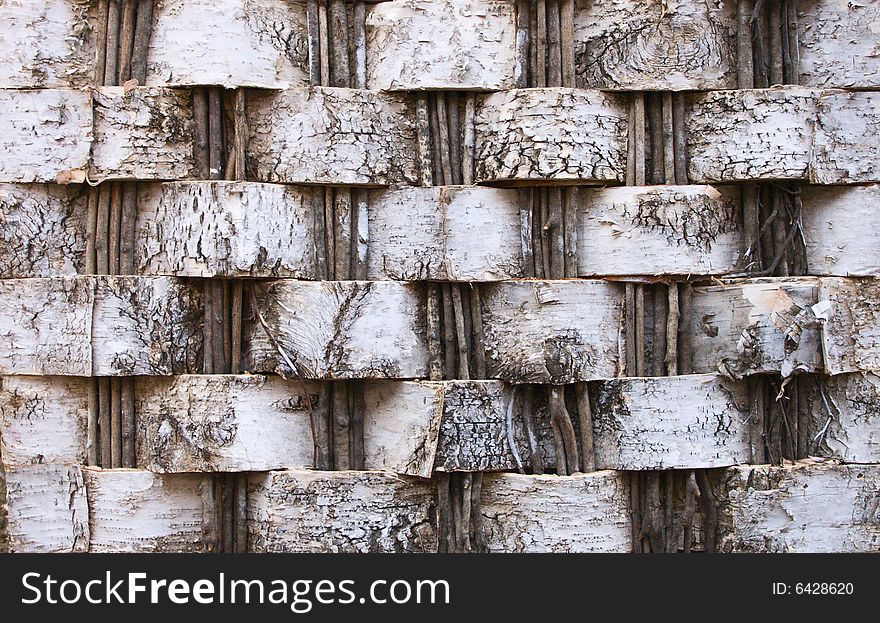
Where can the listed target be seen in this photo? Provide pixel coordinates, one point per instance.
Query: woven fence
(439, 276)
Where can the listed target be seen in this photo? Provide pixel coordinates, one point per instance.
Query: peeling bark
(681, 422)
(659, 230)
(45, 135)
(144, 133)
(232, 43)
(568, 514)
(655, 46)
(805, 507)
(553, 331)
(46, 509)
(342, 330)
(332, 136)
(347, 512)
(850, 332)
(556, 135)
(446, 44)
(755, 326)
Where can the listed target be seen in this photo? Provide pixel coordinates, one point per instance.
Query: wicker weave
(447, 275)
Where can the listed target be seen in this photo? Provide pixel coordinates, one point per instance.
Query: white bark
(331, 136)
(800, 508)
(46, 509)
(658, 230)
(445, 44)
(851, 332)
(47, 44)
(45, 135)
(106, 326)
(445, 233)
(570, 514)
(402, 426)
(349, 512)
(233, 43)
(847, 140)
(555, 135)
(137, 511)
(753, 326)
(750, 134)
(838, 43)
(680, 422)
(144, 133)
(43, 420)
(839, 230)
(225, 229)
(223, 423)
(846, 420)
(343, 330)
(51, 220)
(655, 46)
(552, 331)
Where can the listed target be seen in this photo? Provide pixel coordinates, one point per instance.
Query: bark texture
(445, 44)
(851, 332)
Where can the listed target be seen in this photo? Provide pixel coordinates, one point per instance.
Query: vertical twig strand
(228, 513)
(449, 346)
(653, 526)
(585, 426)
(208, 330)
(356, 408)
(546, 250)
(528, 416)
(446, 543)
(768, 251)
(751, 261)
(630, 328)
(672, 321)
(115, 223)
(210, 532)
(560, 415)
(341, 426)
(217, 327)
(101, 42)
(523, 47)
(200, 132)
(324, 43)
(710, 512)
(127, 432)
(111, 56)
(780, 245)
(115, 422)
(241, 543)
(774, 25)
(679, 131)
(554, 53)
(342, 238)
(236, 312)
(745, 70)
(460, 333)
(226, 328)
(635, 498)
(92, 229)
(323, 428)
(654, 109)
(682, 527)
(535, 195)
(794, 52)
(639, 149)
(478, 541)
(467, 161)
(668, 477)
(566, 16)
(360, 233)
(525, 228)
(104, 421)
(424, 142)
(443, 137)
(804, 412)
(464, 532)
(640, 329)
(142, 33)
(477, 323)
(658, 347)
(128, 218)
(240, 136)
(553, 226)
(359, 45)
(760, 48)
(559, 448)
(93, 440)
(340, 72)
(319, 233)
(668, 139)
(569, 225)
(126, 40)
(215, 133)
(330, 231)
(685, 340)
(435, 341)
(453, 114)
(219, 479)
(314, 31)
(540, 66)
(455, 498)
